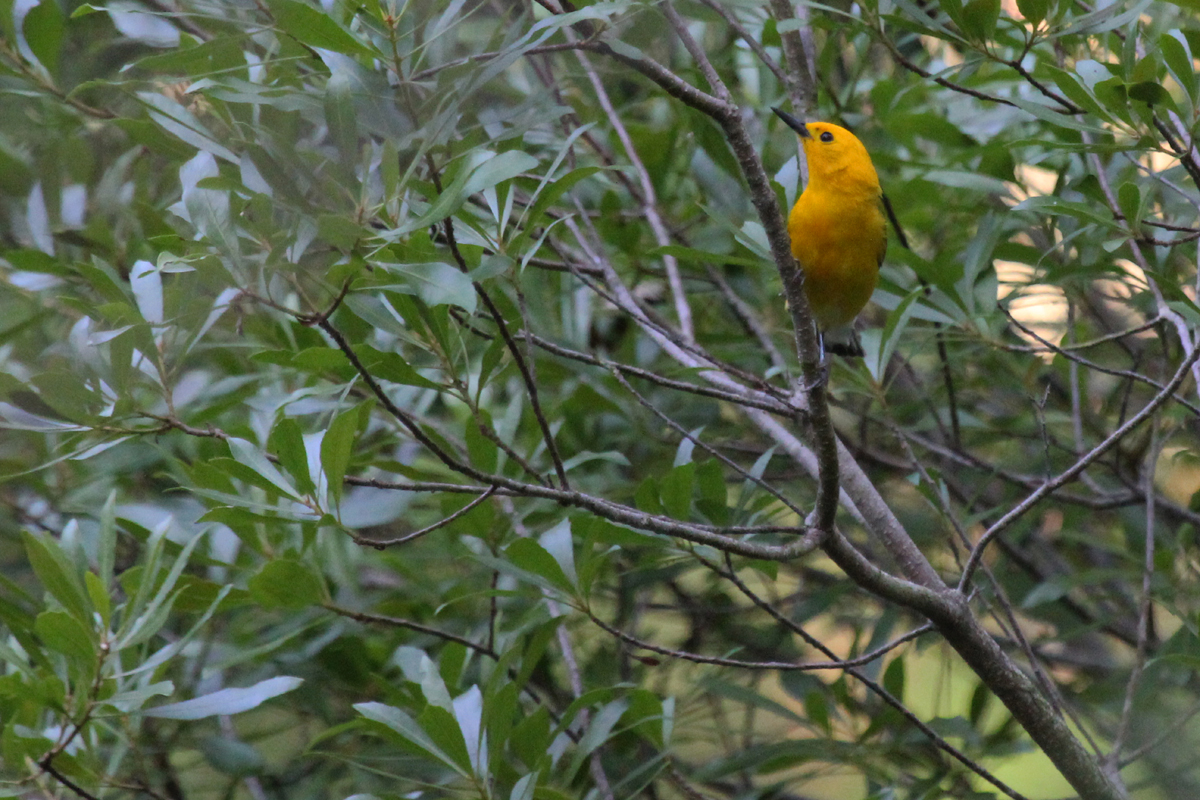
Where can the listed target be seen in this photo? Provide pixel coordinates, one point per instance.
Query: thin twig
(380, 544)
(745, 315)
(1145, 605)
(750, 400)
(940, 81)
(675, 426)
(1164, 735)
(1075, 358)
(873, 686)
(1099, 340)
(683, 311)
(526, 369)
(1079, 466)
(458, 62)
(1067, 106)
(749, 39)
(780, 666)
(397, 622)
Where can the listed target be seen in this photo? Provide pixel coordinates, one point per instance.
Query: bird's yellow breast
(839, 238)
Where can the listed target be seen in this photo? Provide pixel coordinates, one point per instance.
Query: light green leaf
(435, 282)
(315, 28)
(336, 449)
(400, 722)
(226, 701)
(559, 543)
(65, 634)
(487, 170)
(248, 455)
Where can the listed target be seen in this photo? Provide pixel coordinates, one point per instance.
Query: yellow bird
(837, 227)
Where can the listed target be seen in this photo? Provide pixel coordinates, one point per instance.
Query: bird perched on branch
(837, 227)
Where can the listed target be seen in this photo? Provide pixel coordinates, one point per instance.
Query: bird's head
(832, 151)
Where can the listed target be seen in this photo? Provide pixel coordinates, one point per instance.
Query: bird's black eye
(826, 137)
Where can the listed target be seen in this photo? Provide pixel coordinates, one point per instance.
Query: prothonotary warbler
(837, 227)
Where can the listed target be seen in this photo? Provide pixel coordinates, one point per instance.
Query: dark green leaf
(531, 557)
(57, 574)
(1034, 11)
(979, 18)
(675, 489)
(286, 583)
(63, 633)
(43, 31)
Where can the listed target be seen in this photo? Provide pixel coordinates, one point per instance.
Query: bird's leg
(822, 366)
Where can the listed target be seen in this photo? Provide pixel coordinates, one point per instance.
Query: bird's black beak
(793, 123)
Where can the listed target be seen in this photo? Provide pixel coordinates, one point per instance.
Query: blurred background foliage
(262, 262)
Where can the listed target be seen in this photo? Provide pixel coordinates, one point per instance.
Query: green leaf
(254, 460)
(602, 724)
(226, 701)
(693, 255)
(65, 634)
(435, 282)
(232, 757)
(587, 456)
(749, 488)
(1152, 94)
(1176, 56)
(487, 170)
(893, 678)
(529, 556)
(559, 543)
(155, 597)
(714, 496)
(401, 723)
(1056, 206)
(817, 710)
(205, 206)
(483, 452)
(98, 594)
(341, 120)
(1046, 592)
(391, 366)
(1129, 198)
(979, 19)
(980, 699)
(57, 574)
(286, 583)
(336, 448)
(106, 547)
(1034, 11)
(1054, 117)
(1076, 91)
(43, 29)
(1107, 18)
(525, 788)
(315, 28)
(531, 736)
(468, 713)
(646, 497)
(547, 195)
(897, 320)
(443, 729)
(287, 444)
(675, 489)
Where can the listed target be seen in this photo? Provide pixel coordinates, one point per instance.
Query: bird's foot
(821, 379)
